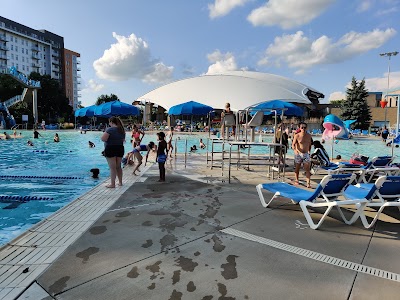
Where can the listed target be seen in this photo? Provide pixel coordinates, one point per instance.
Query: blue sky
(131, 47)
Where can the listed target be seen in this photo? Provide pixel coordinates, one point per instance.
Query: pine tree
(355, 106)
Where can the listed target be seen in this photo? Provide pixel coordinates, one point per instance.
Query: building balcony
(35, 48)
(55, 62)
(2, 47)
(3, 38)
(55, 54)
(35, 57)
(3, 56)
(78, 62)
(78, 69)
(35, 65)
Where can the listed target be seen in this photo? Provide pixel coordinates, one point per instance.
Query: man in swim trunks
(301, 145)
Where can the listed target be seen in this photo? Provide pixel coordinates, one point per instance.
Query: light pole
(388, 54)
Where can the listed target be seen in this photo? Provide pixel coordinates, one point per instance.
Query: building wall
(377, 112)
(31, 50)
(72, 77)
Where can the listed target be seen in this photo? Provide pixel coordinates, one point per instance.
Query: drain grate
(315, 255)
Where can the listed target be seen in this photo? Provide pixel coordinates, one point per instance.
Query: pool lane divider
(39, 177)
(22, 198)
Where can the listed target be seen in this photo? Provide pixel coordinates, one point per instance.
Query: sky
(131, 47)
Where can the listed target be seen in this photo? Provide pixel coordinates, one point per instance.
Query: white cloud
(380, 84)
(221, 62)
(223, 7)
(337, 96)
(301, 53)
(364, 5)
(92, 85)
(128, 58)
(288, 13)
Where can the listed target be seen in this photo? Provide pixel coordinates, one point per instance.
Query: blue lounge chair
(383, 193)
(324, 196)
(377, 165)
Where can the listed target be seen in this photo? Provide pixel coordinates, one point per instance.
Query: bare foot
(296, 182)
(110, 186)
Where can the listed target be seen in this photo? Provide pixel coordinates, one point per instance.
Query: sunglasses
(302, 127)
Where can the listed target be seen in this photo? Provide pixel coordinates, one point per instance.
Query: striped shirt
(322, 156)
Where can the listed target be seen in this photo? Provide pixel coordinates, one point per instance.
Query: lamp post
(384, 104)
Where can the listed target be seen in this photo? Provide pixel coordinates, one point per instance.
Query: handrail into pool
(272, 162)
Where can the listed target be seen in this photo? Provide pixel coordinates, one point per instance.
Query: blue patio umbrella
(86, 111)
(289, 109)
(116, 108)
(189, 108)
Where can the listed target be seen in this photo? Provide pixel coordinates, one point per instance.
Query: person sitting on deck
(319, 156)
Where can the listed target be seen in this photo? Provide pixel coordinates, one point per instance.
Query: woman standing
(161, 155)
(137, 136)
(114, 138)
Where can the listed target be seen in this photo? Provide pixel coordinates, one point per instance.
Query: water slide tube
(334, 127)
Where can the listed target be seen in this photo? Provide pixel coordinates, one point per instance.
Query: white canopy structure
(240, 88)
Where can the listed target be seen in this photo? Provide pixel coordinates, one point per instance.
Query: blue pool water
(73, 158)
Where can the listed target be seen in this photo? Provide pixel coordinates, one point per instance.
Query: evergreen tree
(355, 106)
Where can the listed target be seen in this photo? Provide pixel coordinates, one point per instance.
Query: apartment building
(72, 77)
(30, 50)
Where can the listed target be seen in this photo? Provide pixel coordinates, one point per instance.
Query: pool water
(66, 165)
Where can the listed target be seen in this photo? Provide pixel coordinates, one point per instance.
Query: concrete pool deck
(198, 237)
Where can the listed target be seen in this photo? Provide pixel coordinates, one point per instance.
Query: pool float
(334, 128)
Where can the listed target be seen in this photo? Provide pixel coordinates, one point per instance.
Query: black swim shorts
(114, 151)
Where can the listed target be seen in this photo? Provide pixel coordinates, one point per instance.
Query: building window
(16, 39)
(12, 55)
(23, 67)
(22, 50)
(26, 51)
(12, 47)
(16, 57)
(12, 39)
(16, 48)
(23, 59)
(27, 68)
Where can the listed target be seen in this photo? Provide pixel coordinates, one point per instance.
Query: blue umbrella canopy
(289, 109)
(116, 108)
(189, 108)
(86, 111)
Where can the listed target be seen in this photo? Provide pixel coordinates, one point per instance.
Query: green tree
(52, 103)
(355, 106)
(9, 87)
(106, 98)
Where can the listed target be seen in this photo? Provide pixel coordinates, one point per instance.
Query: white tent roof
(240, 88)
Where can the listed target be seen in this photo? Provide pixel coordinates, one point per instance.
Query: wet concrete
(163, 241)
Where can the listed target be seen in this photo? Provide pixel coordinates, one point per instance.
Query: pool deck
(198, 237)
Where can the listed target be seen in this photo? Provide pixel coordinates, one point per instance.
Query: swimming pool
(61, 171)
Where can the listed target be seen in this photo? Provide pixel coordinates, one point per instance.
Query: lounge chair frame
(325, 195)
